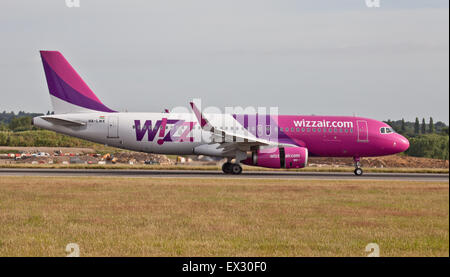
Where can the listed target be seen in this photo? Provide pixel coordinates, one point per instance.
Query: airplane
(264, 140)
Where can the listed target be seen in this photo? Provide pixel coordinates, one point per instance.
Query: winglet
(203, 122)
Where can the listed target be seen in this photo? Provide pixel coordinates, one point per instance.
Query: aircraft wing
(230, 142)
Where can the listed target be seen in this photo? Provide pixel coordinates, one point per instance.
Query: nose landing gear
(358, 170)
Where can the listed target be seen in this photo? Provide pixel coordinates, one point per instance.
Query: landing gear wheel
(358, 171)
(236, 169)
(226, 168)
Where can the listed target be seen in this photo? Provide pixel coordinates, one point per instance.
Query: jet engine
(279, 157)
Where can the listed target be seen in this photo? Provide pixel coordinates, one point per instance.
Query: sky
(322, 57)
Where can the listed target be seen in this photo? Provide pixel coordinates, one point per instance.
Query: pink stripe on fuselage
(66, 72)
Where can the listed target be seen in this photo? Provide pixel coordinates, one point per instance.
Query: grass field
(217, 167)
(220, 217)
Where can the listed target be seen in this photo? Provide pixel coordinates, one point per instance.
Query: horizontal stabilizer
(63, 122)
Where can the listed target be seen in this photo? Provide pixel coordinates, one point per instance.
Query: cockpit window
(386, 130)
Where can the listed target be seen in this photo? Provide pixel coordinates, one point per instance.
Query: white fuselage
(162, 133)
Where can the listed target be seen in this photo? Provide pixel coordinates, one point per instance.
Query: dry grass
(217, 167)
(221, 217)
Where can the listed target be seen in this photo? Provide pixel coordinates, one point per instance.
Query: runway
(218, 174)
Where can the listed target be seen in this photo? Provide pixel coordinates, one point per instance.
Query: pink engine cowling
(279, 157)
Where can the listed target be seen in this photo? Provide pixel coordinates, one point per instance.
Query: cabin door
(363, 131)
(113, 127)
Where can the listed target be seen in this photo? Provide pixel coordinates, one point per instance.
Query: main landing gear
(231, 168)
(358, 170)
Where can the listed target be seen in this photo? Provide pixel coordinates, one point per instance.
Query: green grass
(13, 151)
(214, 167)
(222, 217)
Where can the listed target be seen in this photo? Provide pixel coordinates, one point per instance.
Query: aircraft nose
(402, 143)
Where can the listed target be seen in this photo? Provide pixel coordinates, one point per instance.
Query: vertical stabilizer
(68, 92)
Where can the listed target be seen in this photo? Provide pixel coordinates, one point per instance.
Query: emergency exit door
(113, 127)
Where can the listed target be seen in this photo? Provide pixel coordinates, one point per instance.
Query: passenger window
(298, 130)
(382, 130)
(281, 129)
(303, 129)
(308, 130)
(314, 130)
(259, 129)
(330, 130)
(346, 130)
(319, 130)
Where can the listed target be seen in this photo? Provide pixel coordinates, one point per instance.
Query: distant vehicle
(283, 141)
(40, 154)
(76, 160)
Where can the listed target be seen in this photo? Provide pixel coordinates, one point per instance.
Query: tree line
(22, 121)
(429, 140)
(416, 128)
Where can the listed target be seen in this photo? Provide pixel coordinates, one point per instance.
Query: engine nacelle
(279, 157)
